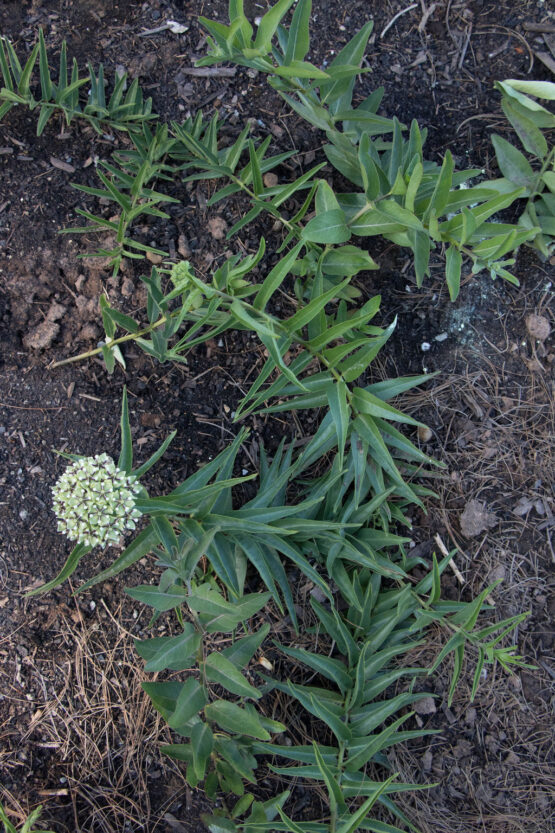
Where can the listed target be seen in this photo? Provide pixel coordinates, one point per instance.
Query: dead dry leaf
(476, 519)
(63, 166)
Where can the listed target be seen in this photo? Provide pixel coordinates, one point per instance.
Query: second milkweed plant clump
(330, 510)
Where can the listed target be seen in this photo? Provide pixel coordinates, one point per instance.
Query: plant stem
(113, 343)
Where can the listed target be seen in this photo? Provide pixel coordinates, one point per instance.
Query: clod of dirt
(538, 327)
(425, 706)
(90, 332)
(43, 336)
(270, 179)
(154, 258)
(476, 519)
(217, 227)
(142, 65)
(87, 307)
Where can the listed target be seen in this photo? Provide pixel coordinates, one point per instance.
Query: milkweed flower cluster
(94, 501)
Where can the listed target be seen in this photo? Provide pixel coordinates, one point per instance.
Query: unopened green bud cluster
(181, 274)
(94, 501)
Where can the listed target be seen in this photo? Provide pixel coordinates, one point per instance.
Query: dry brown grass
(101, 732)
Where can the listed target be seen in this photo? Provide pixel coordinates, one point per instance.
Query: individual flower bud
(94, 501)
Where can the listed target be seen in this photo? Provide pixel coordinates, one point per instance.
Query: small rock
(217, 227)
(538, 327)
(425, 706)
(154, 258)
(270, 180)
(476, 519)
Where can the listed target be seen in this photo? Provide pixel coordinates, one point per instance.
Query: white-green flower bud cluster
(94, 501)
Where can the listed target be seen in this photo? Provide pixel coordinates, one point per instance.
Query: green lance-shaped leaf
(329, 667)
(242, 650)
(298, 41)
(191, 699)
(529, 134)
(374, 745)
(340, 412)
(337, 92)
(25, 77)
(137, 549)
(421, 246)
(512, 163)
(453, 266)
(366, 403)
(368, 170)
(219, 669)
(440, 195)
(276, 277)
(45, 80)
(353, 822)
(335, 794)
(541, 89)
(328, 227)
(175, 653)
(346, 261)
(202, 741)
(269, 23)
(160, 600)
(125, 462)
(220, 615)
(232, 718)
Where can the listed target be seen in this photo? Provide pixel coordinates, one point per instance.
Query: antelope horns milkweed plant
(329, 512)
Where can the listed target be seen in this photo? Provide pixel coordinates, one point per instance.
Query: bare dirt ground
(76, 731)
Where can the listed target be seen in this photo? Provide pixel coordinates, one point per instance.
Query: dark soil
(76, 733)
